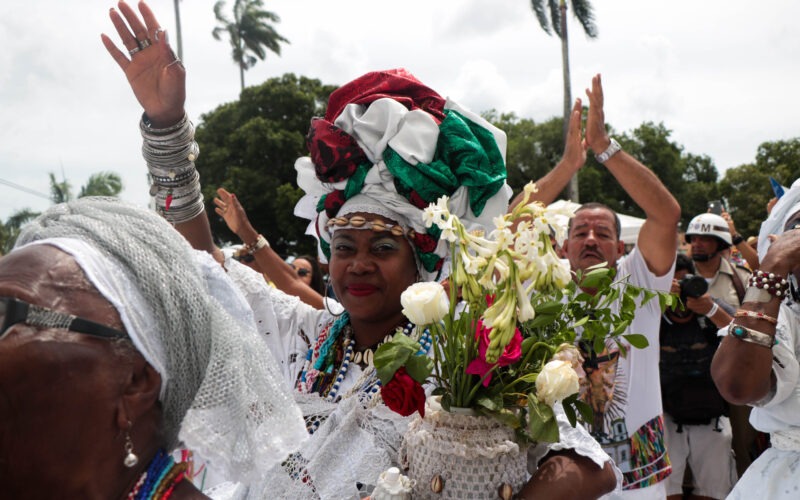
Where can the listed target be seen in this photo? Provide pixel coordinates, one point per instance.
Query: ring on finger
(157, 34)
(143, 44)
(134, 50)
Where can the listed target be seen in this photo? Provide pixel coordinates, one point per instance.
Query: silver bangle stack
(174, 182)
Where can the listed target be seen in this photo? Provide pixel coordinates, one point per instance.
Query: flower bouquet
(503, 337)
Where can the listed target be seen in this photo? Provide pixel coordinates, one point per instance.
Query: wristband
(713, 310)
(738, 238)
(744, 313)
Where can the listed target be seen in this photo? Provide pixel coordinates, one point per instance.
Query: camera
(693, 286)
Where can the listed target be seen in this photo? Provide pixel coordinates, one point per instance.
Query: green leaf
(569, 410)
(637, 340)
(542, 425)
(541, 320)
(392, 355)
(419, 367)
(599, 344)
(507, 418)
(580, 322)
(549, 307)
(490, 403)
(585, 410)
(596, 278)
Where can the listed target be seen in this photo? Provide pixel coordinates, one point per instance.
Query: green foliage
(746, 187)
(10, 229)
(102, 184)
(99, 184)
(249, 147)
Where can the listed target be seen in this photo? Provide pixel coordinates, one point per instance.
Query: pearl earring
(130, 457)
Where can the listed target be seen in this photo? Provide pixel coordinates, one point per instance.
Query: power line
(25, 189)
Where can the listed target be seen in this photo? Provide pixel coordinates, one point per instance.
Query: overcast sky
(721, 74)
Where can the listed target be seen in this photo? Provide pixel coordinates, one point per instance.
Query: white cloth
(354, 442)
(707, 450)
(787, 205)
(774, 474)
(221, 396)
(627, 392)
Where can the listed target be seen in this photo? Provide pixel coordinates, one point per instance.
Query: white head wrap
(787, 206)
(221, 394)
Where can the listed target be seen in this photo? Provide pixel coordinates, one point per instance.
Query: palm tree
(250, 32)
(557, 21)
(178, 29)
(99, 184)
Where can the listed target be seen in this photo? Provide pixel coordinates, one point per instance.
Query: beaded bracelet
(773, 283)
(743, 313)
(257, 245)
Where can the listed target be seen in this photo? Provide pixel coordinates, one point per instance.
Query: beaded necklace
(159, 480)
(319, 372)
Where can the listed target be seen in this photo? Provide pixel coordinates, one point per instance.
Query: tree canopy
(249, 147)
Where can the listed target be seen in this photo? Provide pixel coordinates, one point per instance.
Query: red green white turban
(390, 138)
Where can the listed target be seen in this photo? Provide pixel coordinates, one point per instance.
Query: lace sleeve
(288, 325)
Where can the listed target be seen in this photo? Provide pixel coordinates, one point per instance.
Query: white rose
(425, 303)
(556, 381)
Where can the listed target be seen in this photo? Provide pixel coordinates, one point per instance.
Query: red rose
(403, 394)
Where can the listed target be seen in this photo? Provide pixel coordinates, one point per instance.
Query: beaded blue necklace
(159, 480)
(340, 334)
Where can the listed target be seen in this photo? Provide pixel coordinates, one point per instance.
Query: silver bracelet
(612, 149)
(178, 215)
(752, 336)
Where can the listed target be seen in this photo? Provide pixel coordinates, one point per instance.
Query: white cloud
(721, 74)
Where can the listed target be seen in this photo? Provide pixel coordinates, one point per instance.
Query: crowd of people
(140, 360)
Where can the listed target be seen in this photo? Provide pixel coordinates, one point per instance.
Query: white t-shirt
(625, 392)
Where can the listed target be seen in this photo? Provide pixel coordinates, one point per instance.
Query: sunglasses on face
(14, 311)
(303, 272)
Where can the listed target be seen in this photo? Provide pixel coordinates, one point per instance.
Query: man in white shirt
(624, 391)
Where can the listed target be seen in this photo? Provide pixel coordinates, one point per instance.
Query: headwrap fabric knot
(335, 153)
(414, 147)
(396, 84)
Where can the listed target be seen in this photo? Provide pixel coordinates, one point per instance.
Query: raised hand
(596, 135)
(156, 75)
(229, 208)
(574, 149)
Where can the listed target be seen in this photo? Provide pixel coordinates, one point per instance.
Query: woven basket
(473, 455)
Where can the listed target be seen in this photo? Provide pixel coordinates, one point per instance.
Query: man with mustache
(624, 391)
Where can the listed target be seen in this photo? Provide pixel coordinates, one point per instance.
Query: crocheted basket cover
(473, 455)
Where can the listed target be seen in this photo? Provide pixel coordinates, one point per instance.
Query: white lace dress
(360, 437)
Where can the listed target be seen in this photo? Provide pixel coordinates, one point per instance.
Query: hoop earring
(325, 298)
(130, 457)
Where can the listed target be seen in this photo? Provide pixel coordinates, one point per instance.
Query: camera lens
(693, 286)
